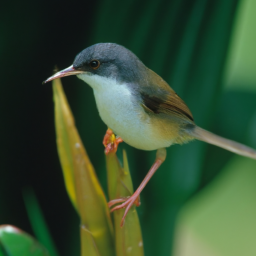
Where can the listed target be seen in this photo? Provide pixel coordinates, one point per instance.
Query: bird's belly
(129, 121)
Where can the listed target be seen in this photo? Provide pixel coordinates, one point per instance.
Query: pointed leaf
(128, 238)
(81, 181)
(38, 222)
(15, 242)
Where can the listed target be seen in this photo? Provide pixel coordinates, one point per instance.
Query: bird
(139, 107)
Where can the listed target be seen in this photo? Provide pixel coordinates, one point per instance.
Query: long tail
(216, 140)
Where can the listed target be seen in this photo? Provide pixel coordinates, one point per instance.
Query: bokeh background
(202, 200)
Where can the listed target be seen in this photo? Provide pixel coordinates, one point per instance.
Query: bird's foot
(126, 203)
(111, 142)
(135, 199)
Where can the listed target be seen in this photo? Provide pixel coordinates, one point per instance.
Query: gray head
(105, 60)
(109, 60)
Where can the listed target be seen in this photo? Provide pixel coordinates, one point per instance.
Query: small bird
(140, 107)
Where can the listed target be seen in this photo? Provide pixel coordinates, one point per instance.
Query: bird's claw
(127, 203)
(111, 142)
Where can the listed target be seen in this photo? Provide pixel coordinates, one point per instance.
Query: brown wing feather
(161, 98)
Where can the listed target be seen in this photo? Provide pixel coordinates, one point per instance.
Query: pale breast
(122, 113)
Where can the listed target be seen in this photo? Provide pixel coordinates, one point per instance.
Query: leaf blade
(128, 239)
(81, 181)
(14, 241)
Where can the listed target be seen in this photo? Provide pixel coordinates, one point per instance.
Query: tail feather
(238, 148)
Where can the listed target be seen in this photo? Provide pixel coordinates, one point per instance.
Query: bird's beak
(65, 72)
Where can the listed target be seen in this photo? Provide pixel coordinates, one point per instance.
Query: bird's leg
(123, 199)
(111, 142)
(128, 202)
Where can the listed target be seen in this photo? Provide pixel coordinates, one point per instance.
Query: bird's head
(104, 61)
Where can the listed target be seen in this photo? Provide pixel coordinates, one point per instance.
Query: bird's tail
(240, 149)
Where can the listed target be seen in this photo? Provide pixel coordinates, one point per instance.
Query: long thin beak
(65, 72)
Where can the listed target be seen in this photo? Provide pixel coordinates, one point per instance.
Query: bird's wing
(158, 97)
(170, 105)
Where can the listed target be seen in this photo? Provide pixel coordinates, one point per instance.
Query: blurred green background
(202, 200)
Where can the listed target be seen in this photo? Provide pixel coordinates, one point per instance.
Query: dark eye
(94, 64)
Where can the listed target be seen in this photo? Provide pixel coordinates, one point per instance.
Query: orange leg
(128, 202)
(111, 142)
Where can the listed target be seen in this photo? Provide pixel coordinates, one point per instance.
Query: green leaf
(15, 242)
(38, 222)
(87, 242)
(81, 181)
(128, 239)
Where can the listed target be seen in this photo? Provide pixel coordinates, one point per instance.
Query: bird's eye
(94, 64)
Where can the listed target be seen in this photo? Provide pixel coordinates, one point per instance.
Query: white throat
(102, 84)
(114, 100)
